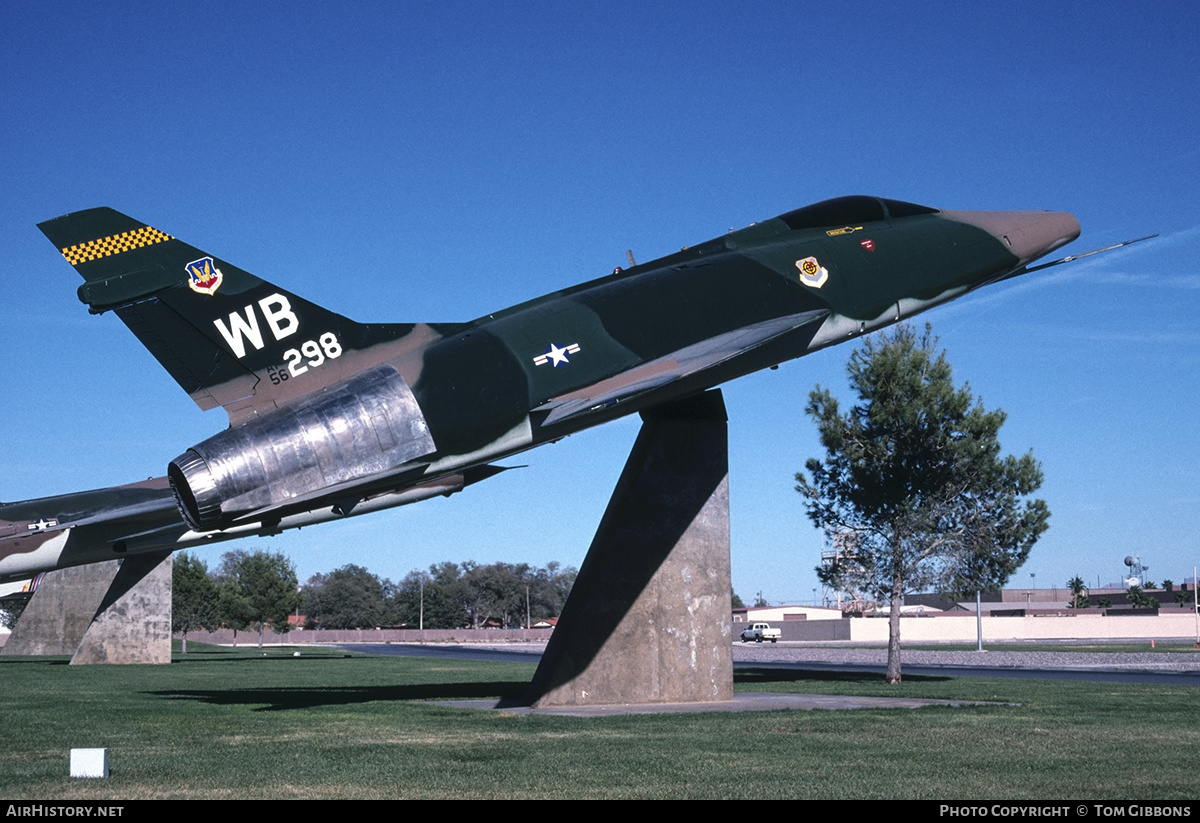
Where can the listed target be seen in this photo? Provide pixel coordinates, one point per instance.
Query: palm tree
(1079, 597)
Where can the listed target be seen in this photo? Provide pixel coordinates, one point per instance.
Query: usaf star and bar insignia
(556, 354)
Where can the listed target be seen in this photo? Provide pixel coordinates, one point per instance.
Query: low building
(783, 614)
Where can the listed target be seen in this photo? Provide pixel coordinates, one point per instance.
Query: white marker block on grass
(89, 762)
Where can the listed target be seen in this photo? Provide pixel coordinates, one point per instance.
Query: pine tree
(914, 481)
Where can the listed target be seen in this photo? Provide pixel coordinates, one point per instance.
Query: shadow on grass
(750, 675)
(283, 699)
(205, 651)
(45, 660)
(217, 657)
(508, 691)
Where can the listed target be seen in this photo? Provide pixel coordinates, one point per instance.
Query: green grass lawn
(243, 724)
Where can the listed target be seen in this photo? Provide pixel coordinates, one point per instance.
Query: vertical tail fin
(227, 337)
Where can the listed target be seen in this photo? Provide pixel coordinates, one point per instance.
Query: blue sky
(435, 162)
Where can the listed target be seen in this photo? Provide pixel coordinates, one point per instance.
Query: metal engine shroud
(363, 427)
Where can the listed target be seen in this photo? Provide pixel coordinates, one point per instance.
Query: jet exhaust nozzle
(362, 428)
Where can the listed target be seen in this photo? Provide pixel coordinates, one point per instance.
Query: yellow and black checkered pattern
(117, 243)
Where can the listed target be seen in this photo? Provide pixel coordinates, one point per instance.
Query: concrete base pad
(746, 702)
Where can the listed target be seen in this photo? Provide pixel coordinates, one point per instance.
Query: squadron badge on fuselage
(812, 273)
(203, 275)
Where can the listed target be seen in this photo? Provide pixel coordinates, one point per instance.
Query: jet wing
(84, 527)
(683, 363)
(131, 503)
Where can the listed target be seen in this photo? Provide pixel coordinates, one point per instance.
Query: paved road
(1180, 668)
(1160, 667)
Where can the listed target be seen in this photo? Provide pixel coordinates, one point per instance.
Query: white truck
(760, 632)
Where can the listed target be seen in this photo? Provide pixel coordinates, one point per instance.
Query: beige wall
(1083, 627)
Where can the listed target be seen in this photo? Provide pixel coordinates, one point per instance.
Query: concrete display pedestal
(60, 611)
(133, 624)
(648, 620)
(113, 612)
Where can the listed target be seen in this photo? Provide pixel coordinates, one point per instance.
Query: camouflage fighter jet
(330, 418)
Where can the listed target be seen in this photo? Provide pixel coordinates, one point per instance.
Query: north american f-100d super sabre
(330, 418)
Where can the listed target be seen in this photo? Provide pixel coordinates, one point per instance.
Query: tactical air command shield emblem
(812, 273)
(203, 276)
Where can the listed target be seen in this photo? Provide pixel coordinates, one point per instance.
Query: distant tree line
(252, 590)
(447, 596)
(248, 590)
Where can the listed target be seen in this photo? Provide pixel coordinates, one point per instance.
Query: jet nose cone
(1028, 234)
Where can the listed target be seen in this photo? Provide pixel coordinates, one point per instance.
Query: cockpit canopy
(849, 210)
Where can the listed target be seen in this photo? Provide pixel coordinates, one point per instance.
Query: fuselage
(875, 262)
(409, 412)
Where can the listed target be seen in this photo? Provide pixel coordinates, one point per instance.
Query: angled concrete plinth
(648, 619)
(60, 611)
(133, 622)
